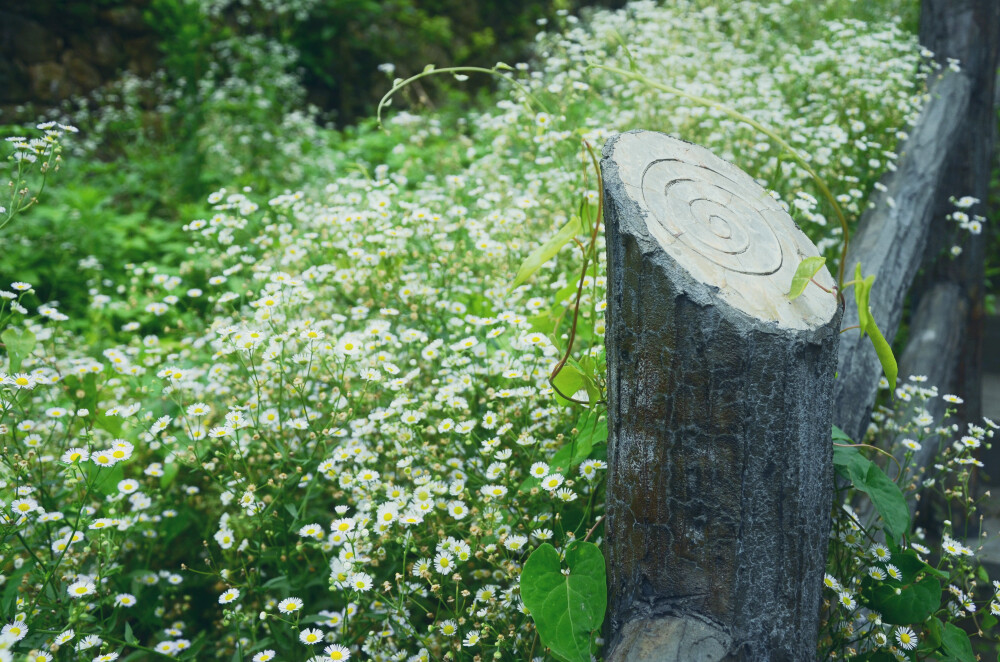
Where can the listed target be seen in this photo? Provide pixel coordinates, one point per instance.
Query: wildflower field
(312, 417)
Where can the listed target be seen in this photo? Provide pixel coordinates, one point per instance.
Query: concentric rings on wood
(722, 227)
(712, 215)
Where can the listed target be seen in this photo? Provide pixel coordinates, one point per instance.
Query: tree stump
(720, 473)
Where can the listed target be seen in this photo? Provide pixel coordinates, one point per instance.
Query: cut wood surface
(720, 464)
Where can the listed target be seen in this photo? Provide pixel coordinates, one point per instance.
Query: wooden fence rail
(890, 243)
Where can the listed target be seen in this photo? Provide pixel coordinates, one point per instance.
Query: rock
(127, 19)
(671, 639)
(107, 51)
(142, 55)
(80, 71)
(50, 83)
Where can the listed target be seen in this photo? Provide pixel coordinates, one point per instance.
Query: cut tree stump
(720, 473)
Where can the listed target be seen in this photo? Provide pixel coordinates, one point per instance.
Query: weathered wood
(720, 462)
(967, 31)
(935, 342)
(933, 350)
(890, 243)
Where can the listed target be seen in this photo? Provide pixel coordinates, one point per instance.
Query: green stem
(76, 527)
(495, 71)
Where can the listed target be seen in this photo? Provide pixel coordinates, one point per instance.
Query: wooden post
(720, 459)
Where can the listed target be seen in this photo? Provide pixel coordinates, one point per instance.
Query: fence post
(720, 460)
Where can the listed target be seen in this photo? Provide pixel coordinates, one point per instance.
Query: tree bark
(720, 458)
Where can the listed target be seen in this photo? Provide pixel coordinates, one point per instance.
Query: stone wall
(51, 50)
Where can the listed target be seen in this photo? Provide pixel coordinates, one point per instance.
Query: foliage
(324, 421)
(141, 170)
(891, 595)
(346, 47)
(27, 155)
(566, 606)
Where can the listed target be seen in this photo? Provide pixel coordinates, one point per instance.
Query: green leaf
(955, 643)
(572, 454)
(19, 345)
(906, 604)
(845, 456)
(886, 496)
(935, 630)
(169, 474)
(104, 479)
(989, 620)
(543, 323)
(851, 464)
(546, 251)
(567, 292)
(12, 584)
(862, 293)
(593, 427)
(803, 274)
(129, 635)
(910, 565)
(862, 290)
(171, 527)
(110, 424)
(884, 352)
(567, 608)
(841, 437)
(870, 479)
(277, 583)
(568, 381)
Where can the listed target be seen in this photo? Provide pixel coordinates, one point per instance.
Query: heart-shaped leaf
(567, 606)
(886, 496)
(906, 604)
(840, 436)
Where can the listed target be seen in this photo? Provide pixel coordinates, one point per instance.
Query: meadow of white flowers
(329, 434)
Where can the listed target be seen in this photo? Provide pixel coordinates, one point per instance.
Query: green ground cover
(305, 417)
